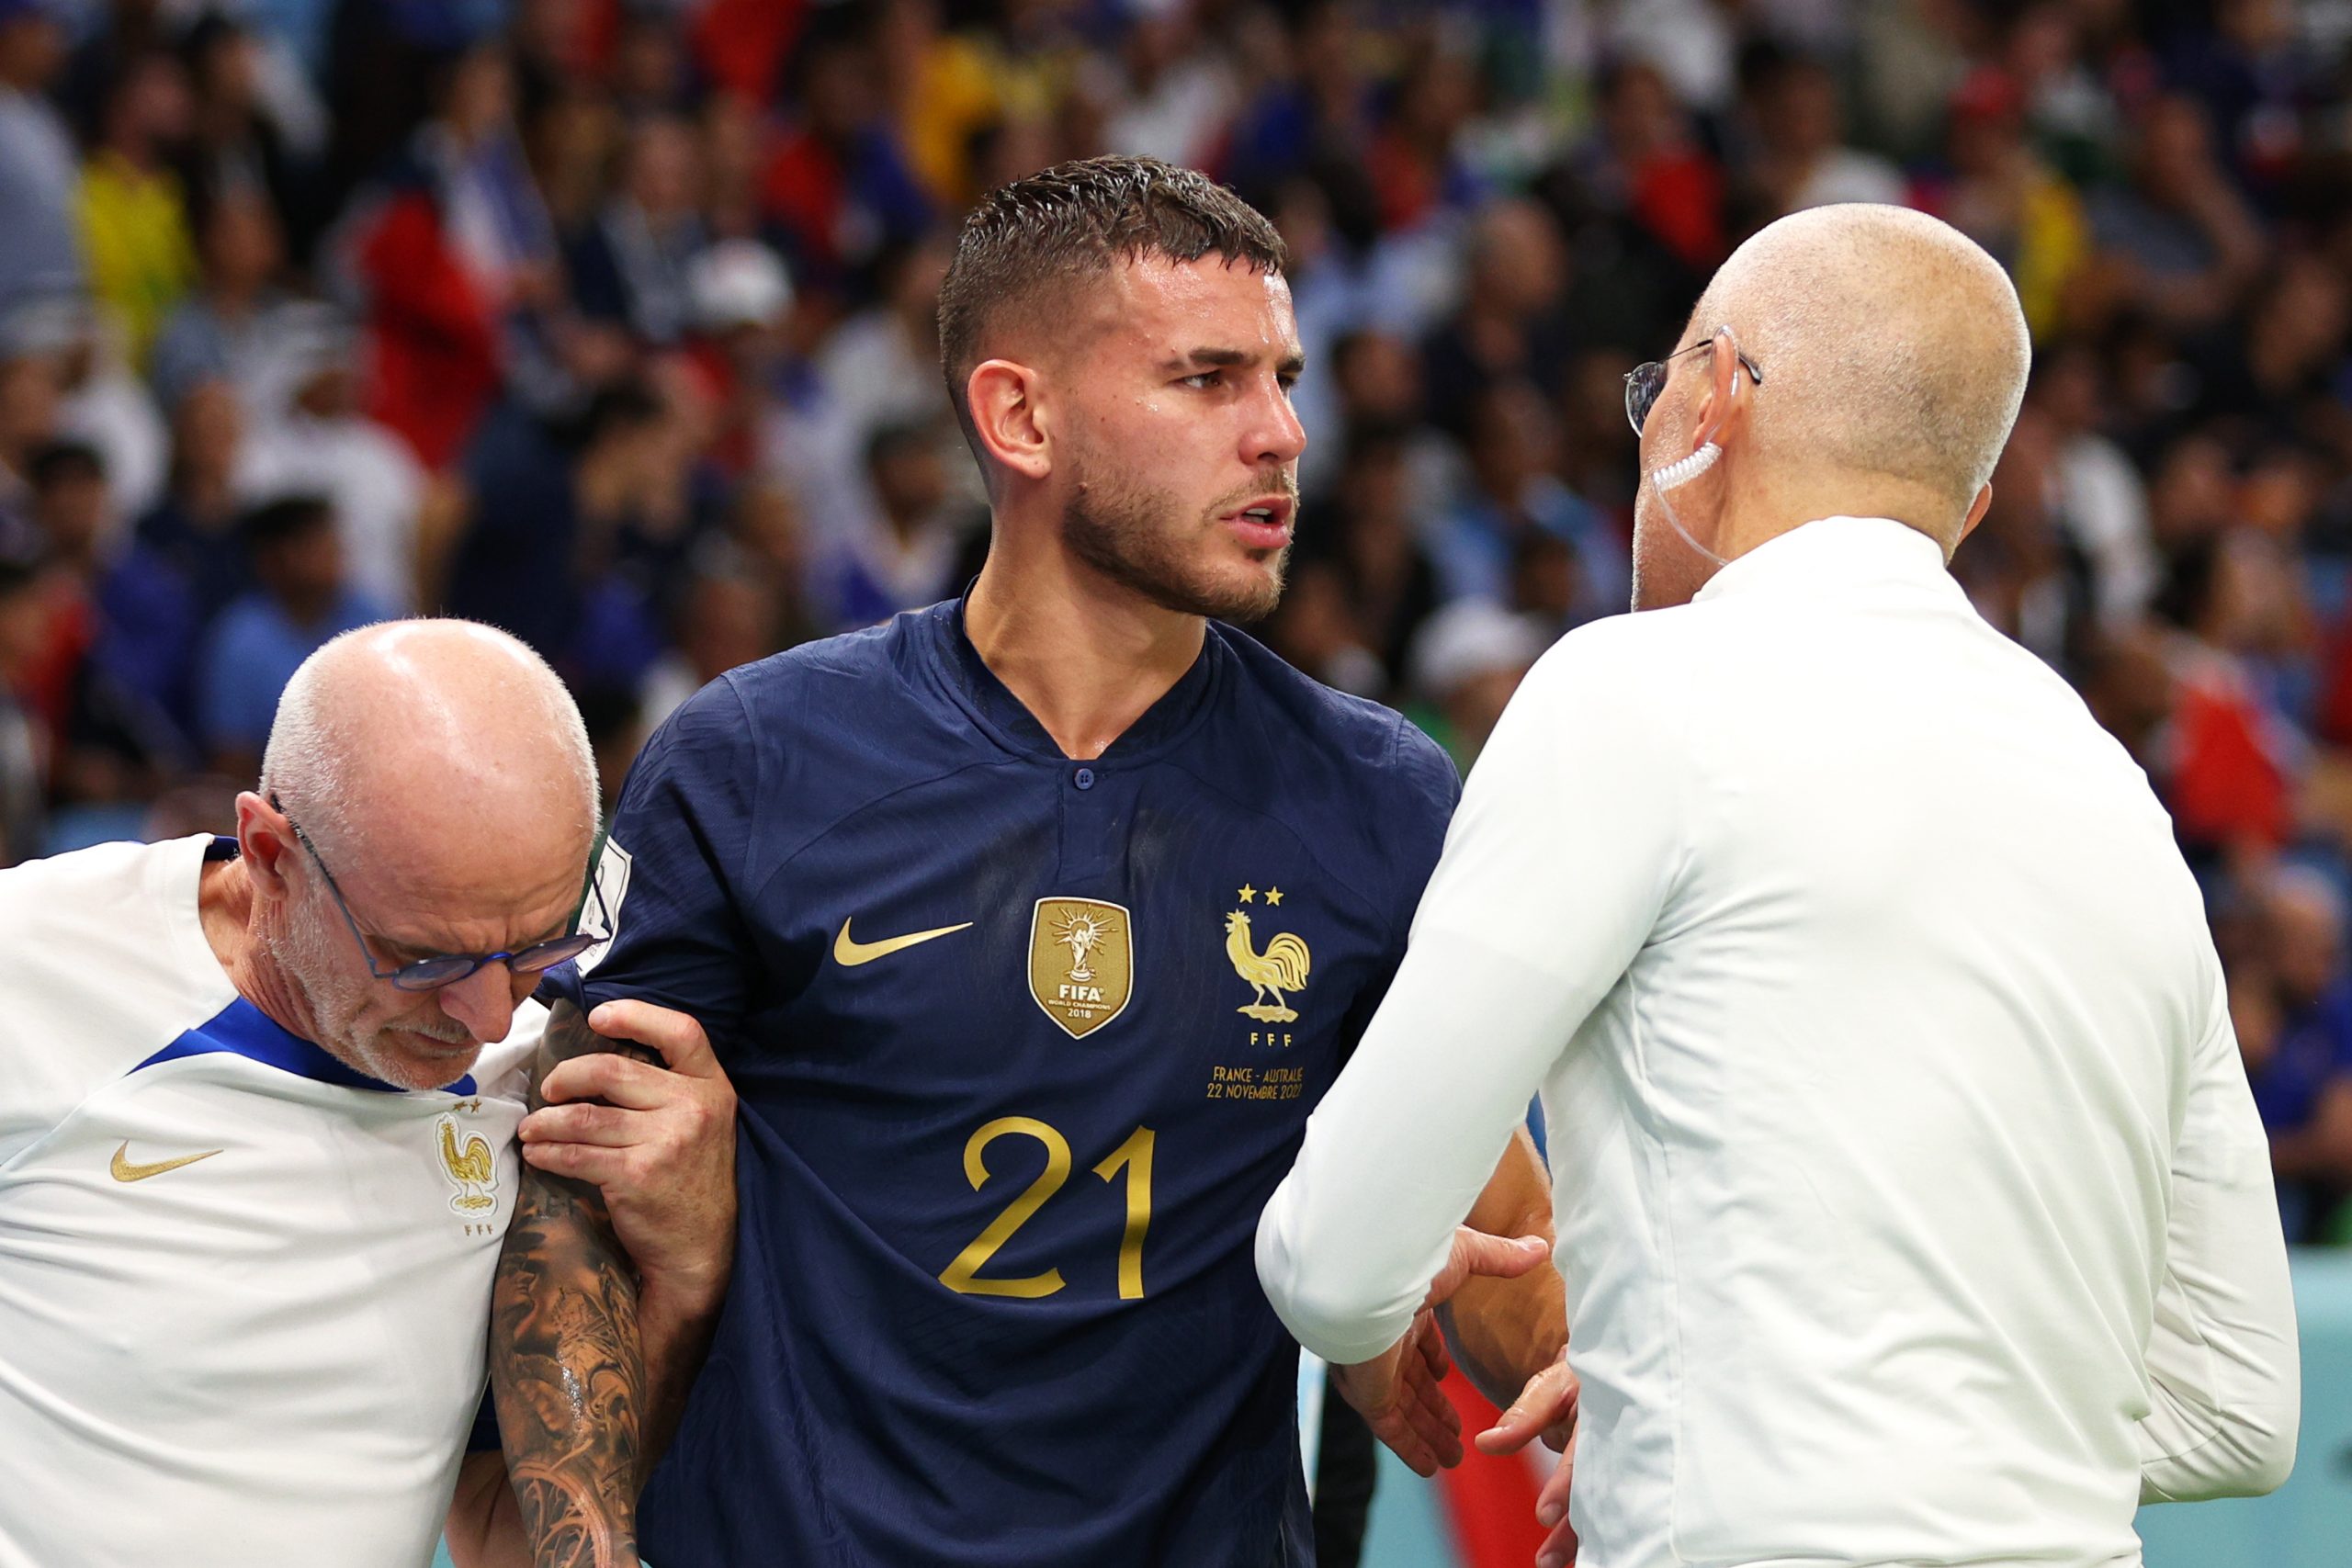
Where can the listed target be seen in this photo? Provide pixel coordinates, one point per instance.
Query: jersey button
(1083, 778)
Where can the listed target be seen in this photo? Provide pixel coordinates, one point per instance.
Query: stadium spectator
(635, 264)
(301, 601)
(229, 326)
(22, 781)
(135, 226)
(2302, 1072)
(1511, 492)
(40, 249)
(457, 239)
(309, 437)
(1802, 158)
(1467, 660)
(185, 561)
(906, 557)
(525, 204)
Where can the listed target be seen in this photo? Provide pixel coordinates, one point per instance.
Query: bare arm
(1504, 1331)
(566, 1362)
(486, 1527)
(615, 1266)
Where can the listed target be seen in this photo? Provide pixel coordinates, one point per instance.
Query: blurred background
(611, 321)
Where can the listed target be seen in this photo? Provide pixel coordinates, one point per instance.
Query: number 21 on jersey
(1134, 1157)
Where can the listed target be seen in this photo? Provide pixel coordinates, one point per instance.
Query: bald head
(428, 793)
(1893, 346)
(433, 740)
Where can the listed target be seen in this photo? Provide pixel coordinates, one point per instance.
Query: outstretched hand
(1396, 1392)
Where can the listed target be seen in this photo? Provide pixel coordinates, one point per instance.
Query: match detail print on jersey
(123, 1168)
(1081, 962)
(849, 952)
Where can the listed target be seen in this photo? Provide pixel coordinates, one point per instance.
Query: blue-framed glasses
(1644, 382)
(449, 968)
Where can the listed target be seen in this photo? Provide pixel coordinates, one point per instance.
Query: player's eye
(1204, 381)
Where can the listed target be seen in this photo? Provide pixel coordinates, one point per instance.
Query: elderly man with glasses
(258, 1138)
(1911, 1200)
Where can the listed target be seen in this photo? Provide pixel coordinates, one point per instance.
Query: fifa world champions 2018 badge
(1081, 962)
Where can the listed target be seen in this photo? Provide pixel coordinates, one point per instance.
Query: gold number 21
(1135, 1156)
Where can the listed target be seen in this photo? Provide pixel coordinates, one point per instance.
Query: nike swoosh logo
(122, 1169)
(850, 954)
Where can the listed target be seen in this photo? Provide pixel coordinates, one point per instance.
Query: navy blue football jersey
(1022, 1046)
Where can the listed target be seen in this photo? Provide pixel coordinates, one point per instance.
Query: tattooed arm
(615, 1264)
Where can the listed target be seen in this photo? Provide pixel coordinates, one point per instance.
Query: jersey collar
(1000, 712)
(1831, 550)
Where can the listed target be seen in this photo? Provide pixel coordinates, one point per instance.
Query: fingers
(1500, 1258)
(1546, 1406)
(585, 1124)
(678, 1037)
(1434, 1354)
(1493, 1257)
(615, 1079)
(614, 1170)
(1551, 1502)
(1435, 1419)
(1559, 1548)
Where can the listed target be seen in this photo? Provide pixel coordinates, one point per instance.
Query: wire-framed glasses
(1644, 382)
(448, 968)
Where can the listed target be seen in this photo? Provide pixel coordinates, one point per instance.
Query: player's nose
(1275, 436)
(483, 1001)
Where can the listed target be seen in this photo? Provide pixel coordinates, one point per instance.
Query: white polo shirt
(244, 1290)
(1911, 1201)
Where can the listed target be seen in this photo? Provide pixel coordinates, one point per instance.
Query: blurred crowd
(612, 322)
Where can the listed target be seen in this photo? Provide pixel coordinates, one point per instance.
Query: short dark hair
(284, 519)
(1034, 239)
(57, 462)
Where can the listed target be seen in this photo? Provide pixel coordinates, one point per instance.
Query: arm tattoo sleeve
(566, 1366)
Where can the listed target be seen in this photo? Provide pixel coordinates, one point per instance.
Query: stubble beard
(303, 951)
(1126, 532)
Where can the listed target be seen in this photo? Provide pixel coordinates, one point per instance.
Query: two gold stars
(1249, 894)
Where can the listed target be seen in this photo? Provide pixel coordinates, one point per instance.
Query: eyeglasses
(449, 968)
(1644, 382)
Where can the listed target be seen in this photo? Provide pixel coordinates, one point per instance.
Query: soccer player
(1913, 1202)
(1029, 927)
(257, 1139)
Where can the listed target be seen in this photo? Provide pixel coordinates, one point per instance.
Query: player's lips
(425, 1044)
(1262, 524)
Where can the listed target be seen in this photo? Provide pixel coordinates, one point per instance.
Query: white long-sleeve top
(1911, 1201)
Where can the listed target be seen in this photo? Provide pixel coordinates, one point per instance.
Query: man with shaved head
(1911, 1200)
(257, 1144)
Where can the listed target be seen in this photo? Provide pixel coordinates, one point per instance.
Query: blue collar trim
(243, 1030)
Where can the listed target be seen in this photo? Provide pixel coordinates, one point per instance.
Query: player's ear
(1008, 417)
(1976, 510)
(264, 841)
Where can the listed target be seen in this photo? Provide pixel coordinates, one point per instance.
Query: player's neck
(226, 906)
(1086, 657)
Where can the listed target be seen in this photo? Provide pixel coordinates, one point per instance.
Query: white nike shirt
(243, 1290)
(1911, 1201)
